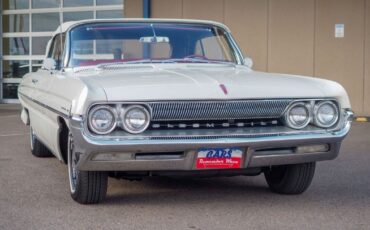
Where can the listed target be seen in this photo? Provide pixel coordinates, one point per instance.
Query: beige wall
(290, 36)
(254, 32)
(341, 59)
(367, 60)
(133, 8)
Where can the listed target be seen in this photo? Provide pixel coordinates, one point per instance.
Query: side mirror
(248, 62)
(49, 64)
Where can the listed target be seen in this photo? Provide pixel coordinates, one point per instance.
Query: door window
(56, 49)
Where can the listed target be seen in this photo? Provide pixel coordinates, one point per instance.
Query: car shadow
(163, 190)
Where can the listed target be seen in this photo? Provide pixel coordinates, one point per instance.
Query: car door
(42, 117)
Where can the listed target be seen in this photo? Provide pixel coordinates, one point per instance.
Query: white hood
(202, 81)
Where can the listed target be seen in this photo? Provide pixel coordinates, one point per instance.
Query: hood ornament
(224, 89)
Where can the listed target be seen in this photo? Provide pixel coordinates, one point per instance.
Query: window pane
(39, 45)
(16, 23)
(70, 3)
(109, 14)
(109, 2)
(75, 16)
(15, 4)
(16, 46)
(36, 65)
(45, 4)
(45, 22)
(10, 90)
(15, 69)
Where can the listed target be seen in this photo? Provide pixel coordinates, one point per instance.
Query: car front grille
(217, 110)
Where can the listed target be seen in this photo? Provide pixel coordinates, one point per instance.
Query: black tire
(38, 149)
(87, 187)
(290, 179)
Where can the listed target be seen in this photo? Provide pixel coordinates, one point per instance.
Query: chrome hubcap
(72, 162)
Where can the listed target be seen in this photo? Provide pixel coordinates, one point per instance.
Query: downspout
(146, 14)
(1, 52)
(146, 8)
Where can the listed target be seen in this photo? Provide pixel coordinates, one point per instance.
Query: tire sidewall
(73, 185)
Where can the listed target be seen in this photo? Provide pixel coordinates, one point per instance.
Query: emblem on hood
(224, 89)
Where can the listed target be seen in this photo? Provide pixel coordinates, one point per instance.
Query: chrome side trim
(67, 116)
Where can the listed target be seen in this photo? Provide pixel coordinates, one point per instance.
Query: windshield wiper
(170, 60)
(143, 61)
(104, 65)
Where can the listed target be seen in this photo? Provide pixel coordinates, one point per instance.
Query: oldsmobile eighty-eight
(132, 98)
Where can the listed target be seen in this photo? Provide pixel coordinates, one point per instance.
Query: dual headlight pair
(323, 114)
(103, 119)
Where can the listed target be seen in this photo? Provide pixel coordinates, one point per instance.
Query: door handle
(34, 81)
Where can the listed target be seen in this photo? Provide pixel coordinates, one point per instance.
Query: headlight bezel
(316, 108)
(289, 122)
(126, 127)
(106, 107)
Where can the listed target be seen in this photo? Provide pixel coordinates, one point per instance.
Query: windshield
(100, 43)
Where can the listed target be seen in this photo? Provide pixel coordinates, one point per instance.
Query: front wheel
(38, 149)
(290, 179)
(87, 187)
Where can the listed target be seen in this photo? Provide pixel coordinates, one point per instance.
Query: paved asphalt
(34, 194)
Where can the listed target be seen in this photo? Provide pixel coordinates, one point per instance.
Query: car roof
(67, 25)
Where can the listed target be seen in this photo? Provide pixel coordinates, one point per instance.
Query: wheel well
(63, 139)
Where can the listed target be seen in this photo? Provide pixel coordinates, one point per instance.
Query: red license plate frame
(219, 158)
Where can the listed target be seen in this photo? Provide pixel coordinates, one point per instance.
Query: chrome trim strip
(45, 106)
(205, 136)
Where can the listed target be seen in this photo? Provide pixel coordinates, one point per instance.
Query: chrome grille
(216, 110)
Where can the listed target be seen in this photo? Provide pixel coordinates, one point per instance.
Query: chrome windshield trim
(235, 49)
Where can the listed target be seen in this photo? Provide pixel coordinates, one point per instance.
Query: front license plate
(219, 158)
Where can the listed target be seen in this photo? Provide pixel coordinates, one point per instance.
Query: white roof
(65, 26)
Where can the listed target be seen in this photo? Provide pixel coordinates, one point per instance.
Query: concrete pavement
(34, 194)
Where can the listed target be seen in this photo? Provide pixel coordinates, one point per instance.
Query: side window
(56, 49)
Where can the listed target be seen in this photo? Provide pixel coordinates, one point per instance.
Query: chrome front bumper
(119, 154)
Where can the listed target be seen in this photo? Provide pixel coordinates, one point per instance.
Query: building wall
(367, 59)
(290, 36)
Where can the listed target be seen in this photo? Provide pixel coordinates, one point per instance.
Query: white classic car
(132, 98)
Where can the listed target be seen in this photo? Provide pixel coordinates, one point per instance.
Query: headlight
(102, 119)
(326, 114)
(135, 119)
(298, 115)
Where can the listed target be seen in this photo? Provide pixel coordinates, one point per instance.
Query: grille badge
(215, 124)
(224, 89)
